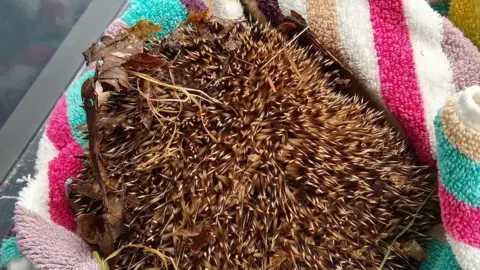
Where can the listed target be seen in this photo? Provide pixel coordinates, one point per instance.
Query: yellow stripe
(465, 14)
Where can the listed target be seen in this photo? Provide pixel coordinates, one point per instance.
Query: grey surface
(11, 186)
(32, 30)
(33, 109)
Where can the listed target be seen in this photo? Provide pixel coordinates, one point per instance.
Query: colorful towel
(465, 14)
(410, 60)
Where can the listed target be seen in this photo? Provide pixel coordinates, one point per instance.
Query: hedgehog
(232, 147)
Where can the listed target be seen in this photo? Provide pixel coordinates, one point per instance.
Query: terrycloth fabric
(115, 27)
(9, 251)
(408, 58)
(440, 257)
(167, 13)
(20, 264)
(39, 239)
(465, 14)
(441, 7)
(458, 135)
(10, 256)
(35, 195)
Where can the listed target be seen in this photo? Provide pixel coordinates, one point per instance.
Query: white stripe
(227, 9)
(35, 196)
(468, 257)
(433, 69)
(357, 44)
(298, 6)
(468, 107)
(20, 264)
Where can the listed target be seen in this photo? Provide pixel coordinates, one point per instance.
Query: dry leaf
(203, 239)
(90, 105)
(115, 52)
(232, 45)
(438, 232)
(145, 61)
(144, 28)
(197, 19)
(413, 250)
(187, 233)
(276, 262)
(86, 228)
(115, 205)
(91, 190)
(109, 123)
(254, 11)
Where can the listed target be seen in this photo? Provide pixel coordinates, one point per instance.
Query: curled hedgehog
(232, 147)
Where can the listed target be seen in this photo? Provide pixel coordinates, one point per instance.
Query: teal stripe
(459, 174)
(76, 114)
(441, 8)
(167, 13)
(9, 250)
(440, 257)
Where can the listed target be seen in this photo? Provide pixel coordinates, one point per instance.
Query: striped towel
(414, 63)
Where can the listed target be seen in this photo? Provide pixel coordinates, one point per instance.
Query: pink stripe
(399, 86)
(115, 27)
(64, 166)
(460, 220)
(58, 129)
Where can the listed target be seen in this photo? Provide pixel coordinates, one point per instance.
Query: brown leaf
(115, 205)
(108, 124)
(114, 216)
(106, 239)
(106, 39)
(86, 228)
(413, 250)
(90, 105)
(116, 77)
(276, 262)
(94, 230)
(188, 232)
(253, 11)
(144, 61)
(232, 45)
(144, 28)
(89, 189)
(112, 70)
(438, 232)
(202, 240)
(196, 19)
(104, 47)
(115, 52)
(115, 226)
(288, 27)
